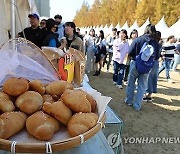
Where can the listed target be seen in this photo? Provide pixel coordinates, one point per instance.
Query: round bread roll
(29, 102)
(6, 105)
(48, 98)
(15, 86)
(42, 126)
(58, 87)
(59, 111)
(76, 100)
(81, 123)
(37, 85)
(11, 123)
(4, 95)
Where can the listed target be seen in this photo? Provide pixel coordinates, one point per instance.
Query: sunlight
(168, 107)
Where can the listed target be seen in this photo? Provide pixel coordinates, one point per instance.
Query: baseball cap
(33, 15)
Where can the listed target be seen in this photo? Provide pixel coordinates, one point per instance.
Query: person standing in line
(109, 42)
(34, 33)
(150, 37)
(58, 19)
(176, 56)
(133, 35)
(168, 50)
(90, 44)
(120, 50)
(51, 39)
(153, 74)
(73, 40)
(100, 53)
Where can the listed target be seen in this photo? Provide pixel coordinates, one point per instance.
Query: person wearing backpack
(144, 50)
(153, 75)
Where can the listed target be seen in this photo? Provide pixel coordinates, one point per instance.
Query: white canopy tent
(175, 29)
(21, 10)
(162, 27)
(141, 29)
(118, 26)
(134, 26)
(125, 26)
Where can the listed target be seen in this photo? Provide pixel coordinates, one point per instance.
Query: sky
(66, 8)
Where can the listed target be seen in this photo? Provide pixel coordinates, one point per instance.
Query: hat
(147, 52)
(33, 15)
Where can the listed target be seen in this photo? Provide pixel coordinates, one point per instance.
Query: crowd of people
(116, 50)
(52, 33)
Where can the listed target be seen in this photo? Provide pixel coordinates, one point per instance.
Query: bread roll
(42, 126)
(37, 85)
(76, 100)
(92, 102)
(81, 123)
(15, 86)
(6, 105)
(58, 110)
(58, 87)
(11, 123)
(29, 102)
(48, 98)
(4, 95)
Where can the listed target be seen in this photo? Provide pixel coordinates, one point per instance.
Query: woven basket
(54, 146)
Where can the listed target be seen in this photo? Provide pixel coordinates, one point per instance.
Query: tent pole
(13, 26)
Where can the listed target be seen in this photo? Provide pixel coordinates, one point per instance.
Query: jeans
(166, 65)
(118, 72)
(152, 79)
(142, 80)
(176, 61)
(109, 60)
(90, 60)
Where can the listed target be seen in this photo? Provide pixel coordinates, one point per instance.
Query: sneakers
(114, 83)
(120, 86)
(147, 99)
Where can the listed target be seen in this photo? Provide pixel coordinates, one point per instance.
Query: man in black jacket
(150, 37)
(34, 33)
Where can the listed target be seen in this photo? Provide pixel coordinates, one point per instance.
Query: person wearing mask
(73, 40)
(168, 50)
(100, 53)
(90, 44)
(153, 75)
(149, 37)
(51, 39)
(109, 42)
(120, 50)
(34, 33)
(58, 19)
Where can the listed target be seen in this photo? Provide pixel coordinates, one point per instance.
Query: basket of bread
(39, 112)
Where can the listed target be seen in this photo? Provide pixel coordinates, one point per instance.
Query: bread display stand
(16, 53)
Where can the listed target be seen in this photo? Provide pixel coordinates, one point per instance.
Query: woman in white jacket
(120, 51)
